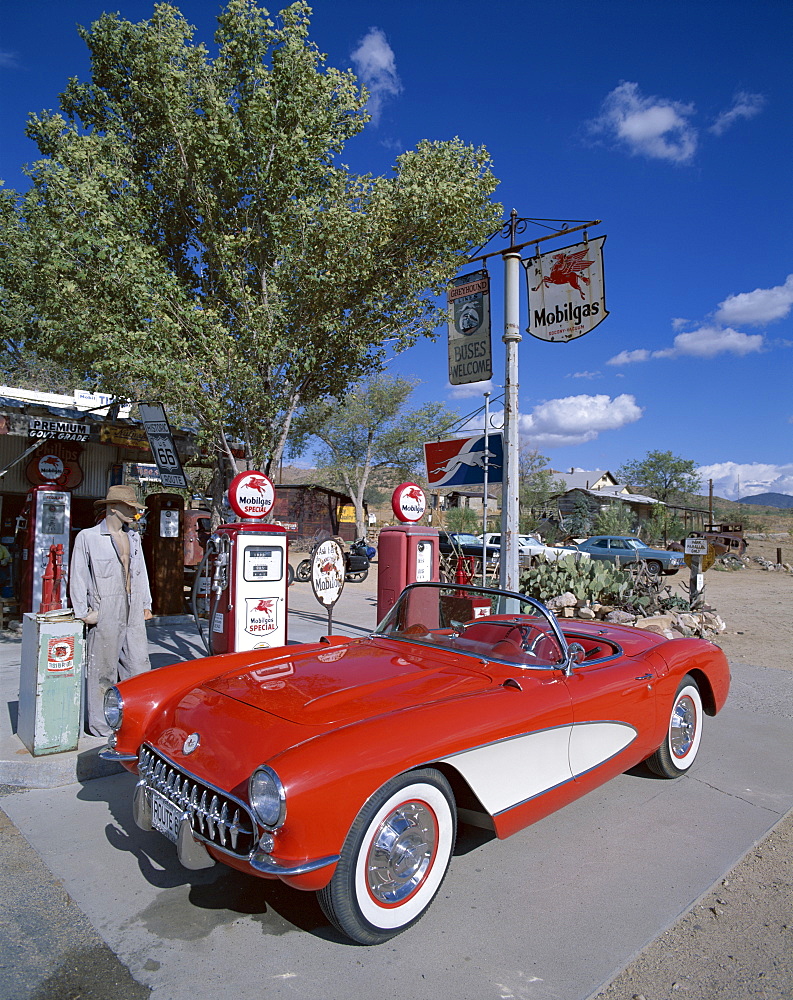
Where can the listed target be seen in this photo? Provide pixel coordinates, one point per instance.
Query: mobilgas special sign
(567, 295)
(470, 357)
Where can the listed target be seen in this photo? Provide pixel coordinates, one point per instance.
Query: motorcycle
(356, 564)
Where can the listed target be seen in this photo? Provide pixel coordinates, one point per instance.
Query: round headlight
(266, 796)
(114, 707)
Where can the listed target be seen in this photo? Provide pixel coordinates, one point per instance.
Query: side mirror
(575, 655)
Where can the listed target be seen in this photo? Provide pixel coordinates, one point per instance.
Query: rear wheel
(357, 575)
(679, 749)
(303, 571)
(394, 859)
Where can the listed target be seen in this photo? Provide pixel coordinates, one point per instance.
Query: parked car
(629, 549)
(452, 544)
(530, 548)
(344, 766)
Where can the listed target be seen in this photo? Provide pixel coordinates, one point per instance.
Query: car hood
(349, 682)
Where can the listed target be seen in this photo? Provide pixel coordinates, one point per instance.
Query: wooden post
(696, 584)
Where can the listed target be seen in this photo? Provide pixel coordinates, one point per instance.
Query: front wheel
(676, 754)
(654, 568)
(394, 859)
(303, 571)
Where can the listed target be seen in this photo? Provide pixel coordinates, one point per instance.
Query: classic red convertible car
(343, 766)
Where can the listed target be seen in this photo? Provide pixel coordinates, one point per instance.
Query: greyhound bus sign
(461, 461)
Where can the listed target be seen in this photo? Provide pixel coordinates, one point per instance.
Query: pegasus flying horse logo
(567, 269)
(257, 483)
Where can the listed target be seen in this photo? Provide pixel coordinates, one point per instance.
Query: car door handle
(644, 677)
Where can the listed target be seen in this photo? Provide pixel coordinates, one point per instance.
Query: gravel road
(737, 941)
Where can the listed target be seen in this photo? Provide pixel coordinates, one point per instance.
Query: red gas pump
(407, 552)
(43, 546)
(246, 563)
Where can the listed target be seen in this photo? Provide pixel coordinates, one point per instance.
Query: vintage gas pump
(406, 552)
(163, 549)
(43, 546)
(247, 563)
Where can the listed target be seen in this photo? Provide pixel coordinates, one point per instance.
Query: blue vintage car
(629, 549)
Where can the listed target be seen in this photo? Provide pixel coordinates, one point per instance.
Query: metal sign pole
(509, 579)
(486, 462)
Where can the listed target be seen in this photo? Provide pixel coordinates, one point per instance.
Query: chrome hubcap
(401, 852)
(683, 727)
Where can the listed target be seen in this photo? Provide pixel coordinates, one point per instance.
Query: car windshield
(636, 543)
(478, 621)
(462, 539)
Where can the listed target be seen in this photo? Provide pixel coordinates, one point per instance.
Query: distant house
(599, 488)
(305, 508)
(641, 507)
(597, 479)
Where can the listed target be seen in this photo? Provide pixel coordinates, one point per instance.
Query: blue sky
(671, 122)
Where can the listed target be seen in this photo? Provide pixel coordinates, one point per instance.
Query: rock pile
(730, 561)
(670, 624)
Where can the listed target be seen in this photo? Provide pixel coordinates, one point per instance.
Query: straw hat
(121, 494)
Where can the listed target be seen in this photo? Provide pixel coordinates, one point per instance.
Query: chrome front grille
(215, 817)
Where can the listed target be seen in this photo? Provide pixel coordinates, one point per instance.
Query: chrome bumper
(267, 865)
(108, 753)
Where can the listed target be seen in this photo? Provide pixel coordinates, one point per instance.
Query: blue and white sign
(461, 461)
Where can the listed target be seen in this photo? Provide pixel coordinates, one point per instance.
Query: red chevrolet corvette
(344, 766)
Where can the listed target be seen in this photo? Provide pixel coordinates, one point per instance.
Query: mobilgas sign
(470, 358)
(251, 494)
(408, 502)
(567, 296)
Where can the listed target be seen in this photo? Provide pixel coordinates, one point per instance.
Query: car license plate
(165, 816)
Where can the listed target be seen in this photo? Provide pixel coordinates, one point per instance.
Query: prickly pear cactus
(590, 580)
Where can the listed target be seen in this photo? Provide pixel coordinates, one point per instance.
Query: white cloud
(655, 127)
(584, 375)
(470, 390)
(577, 419)
(376, 66)
(734, 480)
(704, 342)
(629, 357)
(744, 106)
(757, 308)
(8, 60)
(708, 341)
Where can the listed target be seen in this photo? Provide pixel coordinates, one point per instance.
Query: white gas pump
(246, 566)
(43, 544)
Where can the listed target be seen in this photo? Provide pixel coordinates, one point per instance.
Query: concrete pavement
(170, 640)
(552, 913)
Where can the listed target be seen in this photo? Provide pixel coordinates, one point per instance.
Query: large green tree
(537, 484)
(662, 475)
(196, 239)
(372, 439)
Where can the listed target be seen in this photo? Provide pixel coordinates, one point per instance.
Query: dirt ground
(737, 942)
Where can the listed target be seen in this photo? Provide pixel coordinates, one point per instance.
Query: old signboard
(567, 295)
(470, 356)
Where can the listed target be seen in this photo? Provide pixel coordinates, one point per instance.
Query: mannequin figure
(109, 590)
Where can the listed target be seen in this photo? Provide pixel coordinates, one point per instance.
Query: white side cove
(515, 770)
